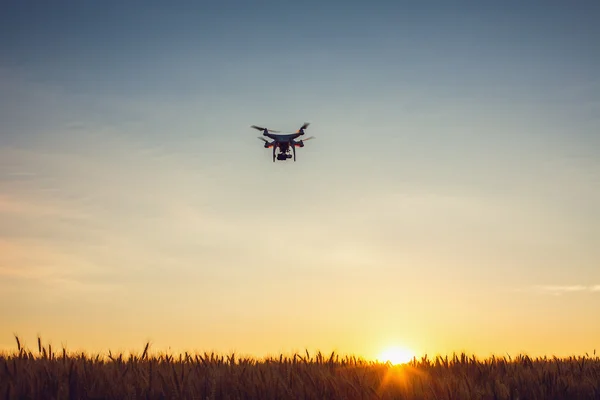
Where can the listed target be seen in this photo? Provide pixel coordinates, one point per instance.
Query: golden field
(50, 374)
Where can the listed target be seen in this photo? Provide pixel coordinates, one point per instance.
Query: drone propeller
(303, 127)
(267, 143)
(300, 143)
(258, 128)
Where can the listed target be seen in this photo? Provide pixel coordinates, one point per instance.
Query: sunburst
(396, 355)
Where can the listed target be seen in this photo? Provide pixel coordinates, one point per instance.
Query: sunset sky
(450, 200)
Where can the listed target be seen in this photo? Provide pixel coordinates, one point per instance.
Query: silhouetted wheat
(211, 376)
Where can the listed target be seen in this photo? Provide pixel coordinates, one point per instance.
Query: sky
(449, 201)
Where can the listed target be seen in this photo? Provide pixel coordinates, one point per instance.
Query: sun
(396, 355)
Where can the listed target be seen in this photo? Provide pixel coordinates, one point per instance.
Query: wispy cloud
(558, 290)
(36, 260)
(14, 205)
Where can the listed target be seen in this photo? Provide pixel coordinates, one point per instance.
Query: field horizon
(59, 373)
(146, 349)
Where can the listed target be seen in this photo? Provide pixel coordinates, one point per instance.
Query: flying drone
(283, 142)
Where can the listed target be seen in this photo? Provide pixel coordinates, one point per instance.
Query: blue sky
(457, 158)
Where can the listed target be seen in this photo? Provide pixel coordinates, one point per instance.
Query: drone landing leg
(274, 148)
(294, 151)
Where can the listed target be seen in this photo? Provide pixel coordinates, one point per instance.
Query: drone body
(283, 142)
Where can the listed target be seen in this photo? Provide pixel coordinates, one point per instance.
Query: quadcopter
(283, 142)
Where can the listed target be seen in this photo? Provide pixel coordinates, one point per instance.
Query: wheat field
(47, 374)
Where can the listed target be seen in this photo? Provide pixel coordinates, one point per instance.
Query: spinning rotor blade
(300, 143)
(268, 144)
(303, 127)
(258, 128)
